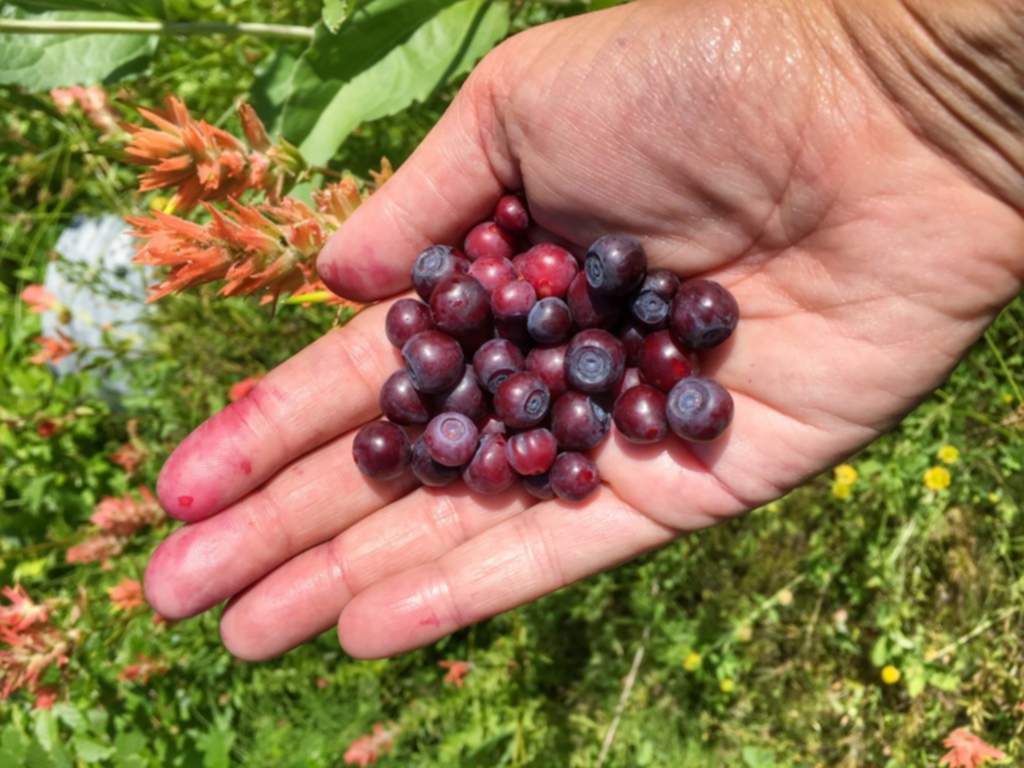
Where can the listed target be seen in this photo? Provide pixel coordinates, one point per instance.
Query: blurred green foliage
(762, 640)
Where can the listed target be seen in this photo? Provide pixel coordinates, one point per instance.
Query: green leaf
(89, 751)
(389, 55)
(30, 569)
(335, 12)
(39, 62)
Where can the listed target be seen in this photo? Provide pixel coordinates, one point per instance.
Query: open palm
(741, 142)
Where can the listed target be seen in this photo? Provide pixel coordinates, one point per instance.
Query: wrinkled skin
(742, 141)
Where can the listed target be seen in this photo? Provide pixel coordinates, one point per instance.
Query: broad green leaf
(89, 751)
(335, 12)
(39, 62)
(30, 569)
(389, 55)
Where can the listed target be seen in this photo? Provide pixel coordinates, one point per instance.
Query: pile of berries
(515, 365)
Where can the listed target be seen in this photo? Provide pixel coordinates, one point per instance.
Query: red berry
(460, 305)
(548, 268)
(489, 472)
(451, 439)
(511, 213)
(435, 361)
(663, 363)
(400, 401)
(492, 272)
(704, 314)
(428, 471)
(522, 400)
(699, 409)
(615, 265)
(532, 452)
(495, 361)
(549, 364)
(405, 319)
(381, 450)
(590, 309)
(488, 239)
(466, 398)
(574, 477)
(594, 361)
(578, 422)
(435, 264)
(639, 414)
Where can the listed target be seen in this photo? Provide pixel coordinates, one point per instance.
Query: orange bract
(968, 751)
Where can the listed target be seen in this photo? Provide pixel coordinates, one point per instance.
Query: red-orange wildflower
(126, 595)
(140, 672)
(128, 457)
(32, 644)
(967, 750)
(125, 515)
(52, 350)
(366, 749)
(45, 698)
(93, 101)
(457, 670)
(39, 299)
(240, 389)
(94, 549)
(46, 428)
(21, 613)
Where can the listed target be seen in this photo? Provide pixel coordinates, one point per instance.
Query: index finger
(323, 391)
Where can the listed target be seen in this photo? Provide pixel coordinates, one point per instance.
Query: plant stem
(282, 31)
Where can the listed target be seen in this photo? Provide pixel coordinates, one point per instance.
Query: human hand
(752, 142)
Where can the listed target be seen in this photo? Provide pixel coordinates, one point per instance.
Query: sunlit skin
(746, 142)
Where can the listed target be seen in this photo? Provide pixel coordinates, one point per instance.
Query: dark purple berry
(550, 321)
(488, 239)
(663, 363)
(615, 265)
(401, 402)
(698, 409)
(492, 272)
(590, 309)
(522, 400)
(466, 398)
(489, 472)
(548, 268)
(460, 305)
(574, 477)
(549, 364)
(650, 310)
(435, 264)
(639, 414)
(435, 361)
(662, 282)
(532, 452)
(594, 361)
(495, 361)
(704, 314)
(405, 319)
(381, 450)
(632, 338)
(578, 422)
(539, 486)
(511, 214)
(428, 471)
(451, 439)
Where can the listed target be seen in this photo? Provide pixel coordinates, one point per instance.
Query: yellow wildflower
(743, 633)
(993, 498)
(948, 454)
(845, 474)
(158, 202)
(1007, 398)
(692, 661)
(841, 490)
(890, 675)
(937, 478)
(784, 597)
(726, 685)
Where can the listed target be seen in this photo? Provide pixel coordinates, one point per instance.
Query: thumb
(452, 181)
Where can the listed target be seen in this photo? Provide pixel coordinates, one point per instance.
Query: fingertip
(357, 269)
(184, 500)
(158, 585)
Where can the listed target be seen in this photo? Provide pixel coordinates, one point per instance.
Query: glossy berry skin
(466, 398)
(401, 403)
(435, 264)
(615, 265)
(630, 379)
(381, 450)
(460, 305)
(549, 364)
(574, 477)
(492, 272)
(662, 282)
(662, 363)
(451, 439)
(495, 361)
(493, 427)
(590, 309)
(522, 400)
(578, 422)
(639, 414)
(650, 311)
(550, 321)
(489, 471)
(704, 314)
(699, 409)
(532, 452)
(510, 213)
(513, 301)
(488, 239)
(594, 361)
(549, 268)
(435, 361)
(405, 319)
(428, 471)
(539, 486)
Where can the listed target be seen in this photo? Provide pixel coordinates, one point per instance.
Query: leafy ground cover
(859, 621)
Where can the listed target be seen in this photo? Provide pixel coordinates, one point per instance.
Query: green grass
(793, 610)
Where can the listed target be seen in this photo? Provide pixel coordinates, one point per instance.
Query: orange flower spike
(253, 128)
(126, 595)
(21, 613)
(52, 350)
(39, 300)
